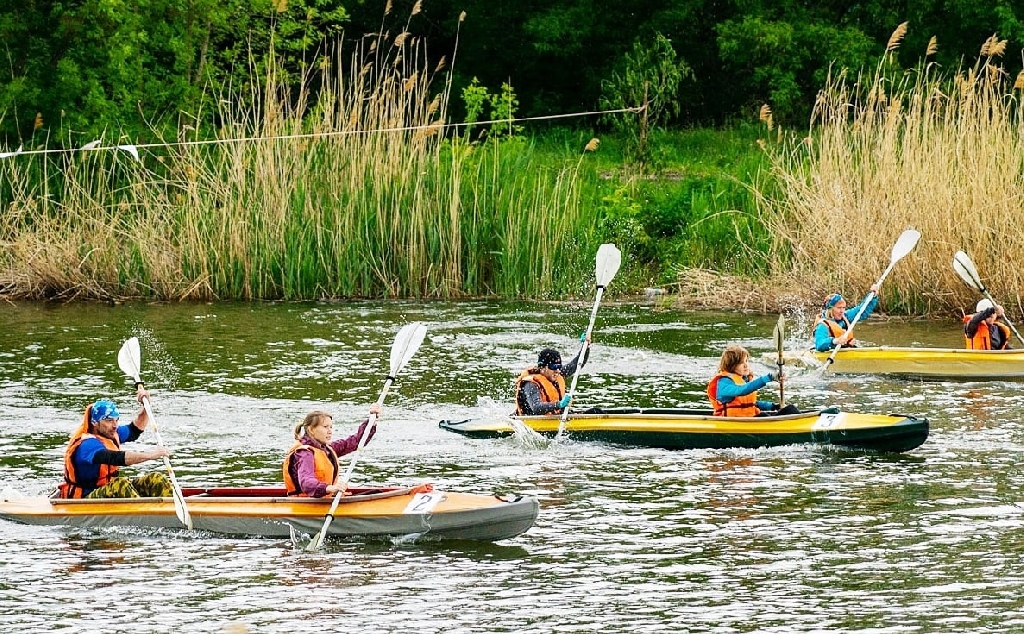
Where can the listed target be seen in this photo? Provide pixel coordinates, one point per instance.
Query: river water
(790, 539)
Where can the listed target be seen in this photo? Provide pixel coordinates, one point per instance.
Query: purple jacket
(302, 461)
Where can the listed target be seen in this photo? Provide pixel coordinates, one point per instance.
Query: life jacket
(325, 467)
(835, 328)
(745, 405)
(982, 339)
(1006, 335)
(550, 392)
(73, 487)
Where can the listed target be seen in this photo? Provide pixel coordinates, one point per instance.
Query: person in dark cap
(94, 456)
(830, 329)
(541, 388)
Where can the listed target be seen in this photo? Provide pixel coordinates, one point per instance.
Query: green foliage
(474, 97)
(783, 62)
(701, 213)
(503, 109)
(649, 76)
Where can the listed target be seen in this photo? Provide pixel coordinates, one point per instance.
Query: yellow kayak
(698, 429)
(934, 363)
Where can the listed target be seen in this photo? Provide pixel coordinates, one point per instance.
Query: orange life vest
(73, 488)
(834, 328)
(325, 467)
(550, 392)
(745, 405)
(982, 339)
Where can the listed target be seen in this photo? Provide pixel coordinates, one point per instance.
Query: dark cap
(548, 356)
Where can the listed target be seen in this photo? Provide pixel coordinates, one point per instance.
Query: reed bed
(942, 152)
(352, 188)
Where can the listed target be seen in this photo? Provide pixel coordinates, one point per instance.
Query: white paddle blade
(906, 243)
(965, 268)
(407, 342)
(129, 358)
(608, 260)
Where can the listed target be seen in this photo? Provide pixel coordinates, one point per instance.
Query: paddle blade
(965, 268)
(608, 260)
(407, 342)
(906, 243)
(129, 358)
(780, 334)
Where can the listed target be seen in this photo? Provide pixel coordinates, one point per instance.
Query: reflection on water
(790, 539)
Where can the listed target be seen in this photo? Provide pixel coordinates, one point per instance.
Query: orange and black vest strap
(550, 392)
(981, 340)
(325, 467)
(1006, 334)
(835, 328)
(73, 487)
(745, 405)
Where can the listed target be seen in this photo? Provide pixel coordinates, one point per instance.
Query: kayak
(936, 363)
(699, 429)
(267, 512)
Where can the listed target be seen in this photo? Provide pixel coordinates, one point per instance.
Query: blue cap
(102, 409)
(832, 300)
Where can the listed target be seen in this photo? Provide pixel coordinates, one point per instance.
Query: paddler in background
(830, 329)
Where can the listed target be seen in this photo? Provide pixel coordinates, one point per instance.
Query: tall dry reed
(349, 187)
(942, 152)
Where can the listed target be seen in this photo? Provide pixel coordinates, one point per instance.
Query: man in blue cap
(94, 456)
(831, 329)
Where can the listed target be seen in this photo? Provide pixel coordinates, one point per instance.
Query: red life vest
(745, 405)
(73, 488)
(325, 467)
(550, 392)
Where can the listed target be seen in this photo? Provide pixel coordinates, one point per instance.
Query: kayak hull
(930, 363)
(698, 429)
(266, 512)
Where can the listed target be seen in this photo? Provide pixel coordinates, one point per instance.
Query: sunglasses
(555, 366)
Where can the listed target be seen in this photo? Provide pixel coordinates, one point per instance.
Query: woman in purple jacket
(311, 467)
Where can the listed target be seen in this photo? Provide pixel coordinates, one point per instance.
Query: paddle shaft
(180, 508)
(156, 432)
(782, 390)
(582, 356)
(779, 338)
(904, 245)
(319, 538)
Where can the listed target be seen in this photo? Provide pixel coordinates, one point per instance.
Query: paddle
(780, 328)
(407, 342)
(608, 260)
(129, 358)
(965, 268)
(904, 245)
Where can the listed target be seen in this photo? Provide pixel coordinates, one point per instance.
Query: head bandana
(832, 300)
(104, 409)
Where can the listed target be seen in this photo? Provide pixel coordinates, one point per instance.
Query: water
(792, 539)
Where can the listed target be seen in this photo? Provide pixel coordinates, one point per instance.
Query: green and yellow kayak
(698, 429)
(931, 363)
